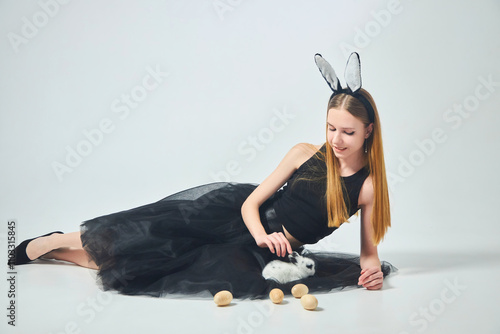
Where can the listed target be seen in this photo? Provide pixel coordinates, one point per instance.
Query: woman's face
(346, 133)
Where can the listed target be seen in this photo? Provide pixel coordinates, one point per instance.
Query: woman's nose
(336, 138)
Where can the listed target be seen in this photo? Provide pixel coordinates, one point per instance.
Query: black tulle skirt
(196, 243)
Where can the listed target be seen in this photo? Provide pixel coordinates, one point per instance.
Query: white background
(232, 67)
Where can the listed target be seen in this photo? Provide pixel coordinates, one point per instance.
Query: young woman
(220, 236)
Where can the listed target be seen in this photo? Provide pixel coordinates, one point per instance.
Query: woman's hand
(371, 278)
(276, 242)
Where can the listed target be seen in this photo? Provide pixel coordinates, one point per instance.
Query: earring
(366, 147)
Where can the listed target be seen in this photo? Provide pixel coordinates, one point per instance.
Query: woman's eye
(331, 129)
(349, 133)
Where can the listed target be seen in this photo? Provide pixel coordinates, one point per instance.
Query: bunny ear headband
(352, 78)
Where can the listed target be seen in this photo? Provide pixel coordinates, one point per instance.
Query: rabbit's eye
(309, 266)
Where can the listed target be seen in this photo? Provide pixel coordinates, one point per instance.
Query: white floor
(433, 292)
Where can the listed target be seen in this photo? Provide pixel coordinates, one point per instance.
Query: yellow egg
(276, 296)
(299, 290)
(223, 298)
(309, 302)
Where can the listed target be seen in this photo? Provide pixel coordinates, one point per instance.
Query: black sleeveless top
(300, 205)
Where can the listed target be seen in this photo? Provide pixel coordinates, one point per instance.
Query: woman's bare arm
(371, 274)
(276, 242)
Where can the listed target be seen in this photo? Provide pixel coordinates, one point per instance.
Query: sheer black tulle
(196, 243)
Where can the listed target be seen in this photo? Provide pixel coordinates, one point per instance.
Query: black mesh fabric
(196, 243)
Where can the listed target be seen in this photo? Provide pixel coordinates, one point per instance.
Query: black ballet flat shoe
(20, 256)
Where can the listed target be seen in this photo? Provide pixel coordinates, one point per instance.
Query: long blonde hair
(374, 160)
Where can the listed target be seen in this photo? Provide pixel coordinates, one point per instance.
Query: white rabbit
(283, 272)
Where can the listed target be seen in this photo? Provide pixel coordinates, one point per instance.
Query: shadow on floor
(413, 262)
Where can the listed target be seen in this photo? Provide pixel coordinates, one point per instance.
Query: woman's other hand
(371, 278)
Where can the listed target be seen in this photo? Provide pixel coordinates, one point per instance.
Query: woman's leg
(66, 247)
(73, 255)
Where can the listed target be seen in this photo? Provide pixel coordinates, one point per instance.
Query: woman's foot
(32, 249)
(40, 246)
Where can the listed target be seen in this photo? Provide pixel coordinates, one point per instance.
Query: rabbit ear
(353, 72)
(328, 73)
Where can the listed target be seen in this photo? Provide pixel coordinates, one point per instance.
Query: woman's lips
(338, 149)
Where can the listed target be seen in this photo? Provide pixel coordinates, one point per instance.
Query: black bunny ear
(328, 73)
(353, 72)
